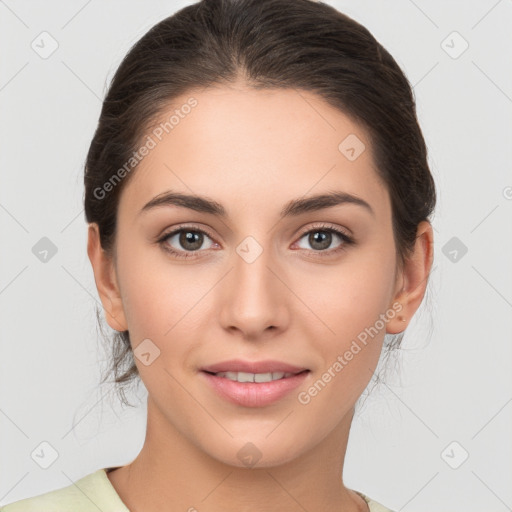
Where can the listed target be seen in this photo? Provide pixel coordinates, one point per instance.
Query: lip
(238, 365)
(254, 394)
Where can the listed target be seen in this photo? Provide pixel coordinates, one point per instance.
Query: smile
(253, 377)
(253, 389)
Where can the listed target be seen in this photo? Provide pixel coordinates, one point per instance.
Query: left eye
(321, 239)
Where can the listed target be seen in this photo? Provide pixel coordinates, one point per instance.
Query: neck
(170, 473)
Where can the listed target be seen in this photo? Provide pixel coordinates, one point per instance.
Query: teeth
(267, 377)
(253, 377)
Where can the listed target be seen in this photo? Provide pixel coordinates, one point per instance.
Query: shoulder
(90, 493)
(373, 505)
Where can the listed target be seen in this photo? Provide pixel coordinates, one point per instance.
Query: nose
(254, 294)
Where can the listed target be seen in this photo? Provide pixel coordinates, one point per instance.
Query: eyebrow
(293, 208)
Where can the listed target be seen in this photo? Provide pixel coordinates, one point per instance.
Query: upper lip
(238, 365)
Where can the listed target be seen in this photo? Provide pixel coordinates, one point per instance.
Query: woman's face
(265, 281)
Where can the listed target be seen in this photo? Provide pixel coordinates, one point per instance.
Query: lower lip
(254, 394)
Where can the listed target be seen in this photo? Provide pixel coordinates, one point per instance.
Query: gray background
(453, 383)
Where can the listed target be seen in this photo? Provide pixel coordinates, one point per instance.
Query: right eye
(190, 239)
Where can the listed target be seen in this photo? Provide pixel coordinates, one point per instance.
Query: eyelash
(347, 240)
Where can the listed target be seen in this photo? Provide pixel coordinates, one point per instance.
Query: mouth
(253, 367)
(254, 384)
(255, 377)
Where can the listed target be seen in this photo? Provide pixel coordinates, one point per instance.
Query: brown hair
(298, 44)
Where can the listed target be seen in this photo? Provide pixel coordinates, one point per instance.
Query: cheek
(156, 294)
(350, 297)
(165, 303)
(351, 308)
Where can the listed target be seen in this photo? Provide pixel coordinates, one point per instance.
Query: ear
(413, 279)
(106, 280)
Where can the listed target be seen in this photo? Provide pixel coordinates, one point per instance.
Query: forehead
(255, 147)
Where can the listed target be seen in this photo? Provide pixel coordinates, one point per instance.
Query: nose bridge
(254, 297)
(252, 262)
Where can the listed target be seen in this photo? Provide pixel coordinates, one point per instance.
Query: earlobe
(414, 278)
(106, 282)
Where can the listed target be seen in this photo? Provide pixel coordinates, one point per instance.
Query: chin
(255, 453)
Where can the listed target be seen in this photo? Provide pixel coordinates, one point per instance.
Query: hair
(269, 44)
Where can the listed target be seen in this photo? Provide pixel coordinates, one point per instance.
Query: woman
(258, 199)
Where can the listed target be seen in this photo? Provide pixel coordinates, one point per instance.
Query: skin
(252, 151)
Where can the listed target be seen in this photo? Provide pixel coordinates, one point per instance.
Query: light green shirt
(94, 492)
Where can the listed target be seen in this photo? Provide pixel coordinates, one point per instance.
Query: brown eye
(321, 239)
(184, 241)
(190, 240)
